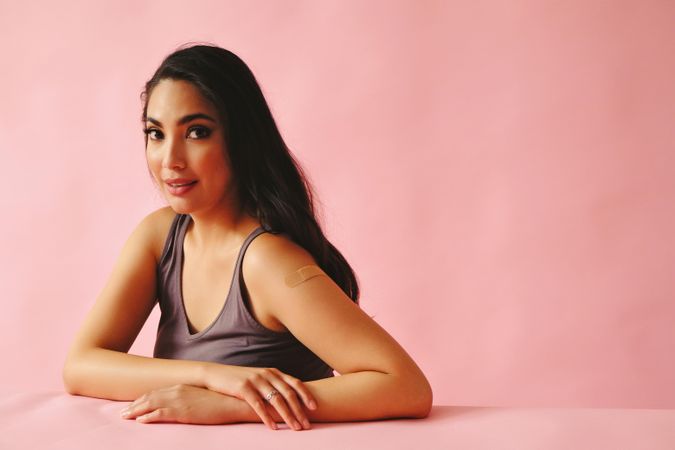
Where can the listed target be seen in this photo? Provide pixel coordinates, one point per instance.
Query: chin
(180, 209)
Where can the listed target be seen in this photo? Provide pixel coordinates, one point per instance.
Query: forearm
(366, 395)
(117, 375)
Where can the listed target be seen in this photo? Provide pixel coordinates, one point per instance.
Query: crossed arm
(365, 395)
(378, 378)
(178, 391)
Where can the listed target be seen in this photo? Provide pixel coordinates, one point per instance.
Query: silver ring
(271, 394)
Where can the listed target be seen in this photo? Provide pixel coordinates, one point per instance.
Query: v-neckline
(180, 262)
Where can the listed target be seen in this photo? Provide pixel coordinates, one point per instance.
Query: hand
(185, 404)
(253, 384)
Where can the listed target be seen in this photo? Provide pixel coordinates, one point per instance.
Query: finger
(138, 409)
(279, 403)
(258, 404)
(126, 413)
(158, 415)
(292, 400)
(300, 388)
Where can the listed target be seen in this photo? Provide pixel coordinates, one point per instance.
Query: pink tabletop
(57, 420)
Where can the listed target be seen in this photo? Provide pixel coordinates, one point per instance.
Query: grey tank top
(235, 337)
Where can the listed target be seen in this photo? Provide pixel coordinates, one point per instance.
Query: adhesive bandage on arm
(303, 274)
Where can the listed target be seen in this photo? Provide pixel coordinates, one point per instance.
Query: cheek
(214, 162)
(152, 157)
(154, 164)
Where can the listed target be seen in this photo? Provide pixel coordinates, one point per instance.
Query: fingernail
(306, 422)
(312, 404)
(124, 412)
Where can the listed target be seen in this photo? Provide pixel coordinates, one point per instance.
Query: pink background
(499, 175)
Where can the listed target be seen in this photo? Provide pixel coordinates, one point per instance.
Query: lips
(180, 188)
(181, 184)
(176, 182)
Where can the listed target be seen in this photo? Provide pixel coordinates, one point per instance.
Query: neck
(219, 229)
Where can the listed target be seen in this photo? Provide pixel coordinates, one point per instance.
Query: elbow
(418, 397)
(69, 377)
(425, 399)
(425, 409)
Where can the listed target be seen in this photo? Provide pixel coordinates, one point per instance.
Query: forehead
(175, 98)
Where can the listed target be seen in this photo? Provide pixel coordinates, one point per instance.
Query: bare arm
(363, 395)
(98, 364)
(368, 395)
(103, 373)
(378, 378)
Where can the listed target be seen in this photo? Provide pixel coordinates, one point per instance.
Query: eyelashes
(155, 134)
(147, 131)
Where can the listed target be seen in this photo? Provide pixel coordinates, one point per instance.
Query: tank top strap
(182, 222)
(240, 258)
(168, 251)
(172, 252)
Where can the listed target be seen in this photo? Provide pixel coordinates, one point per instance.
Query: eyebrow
(184, 119)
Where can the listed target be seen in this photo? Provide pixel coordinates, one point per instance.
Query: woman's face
(186, 145)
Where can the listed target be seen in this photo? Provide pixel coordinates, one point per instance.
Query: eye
(201, 132)
(149, 131)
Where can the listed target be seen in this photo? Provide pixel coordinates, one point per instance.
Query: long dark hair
(270, 183)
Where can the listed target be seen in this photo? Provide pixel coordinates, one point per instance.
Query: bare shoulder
(271, 255)
(156, 227)
(269, 259)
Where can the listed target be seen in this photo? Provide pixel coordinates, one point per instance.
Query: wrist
(204, 374)
(210, 374)
(246, 413)
(242, 411)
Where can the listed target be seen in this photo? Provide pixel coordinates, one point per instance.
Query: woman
(267, 352)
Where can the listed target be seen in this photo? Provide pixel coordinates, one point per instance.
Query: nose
(174, 154)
